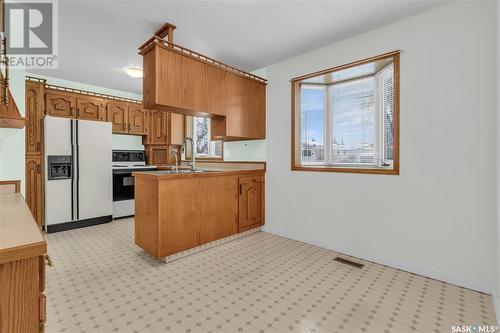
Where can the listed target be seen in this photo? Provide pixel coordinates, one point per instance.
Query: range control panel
(129, 156)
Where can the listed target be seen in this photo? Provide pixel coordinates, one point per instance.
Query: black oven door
(123, 184)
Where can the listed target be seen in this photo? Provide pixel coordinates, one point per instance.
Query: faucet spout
(174, 152)
(193, 150)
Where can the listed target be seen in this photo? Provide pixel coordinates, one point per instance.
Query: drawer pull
(48, 261)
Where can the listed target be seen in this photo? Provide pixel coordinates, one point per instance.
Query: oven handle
(128, 171)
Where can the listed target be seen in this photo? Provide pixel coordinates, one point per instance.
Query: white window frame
(328, 124)
(211, 144)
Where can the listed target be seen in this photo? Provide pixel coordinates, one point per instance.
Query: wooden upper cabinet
(138, 120)
(251, 202)
(34, 118)
(158, 127)
(117, 115)
(164, 128)
(177, 125)
(186, 83)
(60, 104)
(245, 104)
(91, 108)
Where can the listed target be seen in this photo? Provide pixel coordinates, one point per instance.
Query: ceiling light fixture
(134, 72)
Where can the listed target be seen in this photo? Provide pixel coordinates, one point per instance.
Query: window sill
(204, 159)
(328, 168)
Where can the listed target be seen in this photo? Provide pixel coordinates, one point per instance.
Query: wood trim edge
(348, 65)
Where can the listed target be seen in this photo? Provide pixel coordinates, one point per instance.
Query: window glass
(204, 146)
(312, 120)
(346, 118)
(353, 121)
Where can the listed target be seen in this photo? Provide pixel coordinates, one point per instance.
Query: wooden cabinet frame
(180, 80)
(91, 108)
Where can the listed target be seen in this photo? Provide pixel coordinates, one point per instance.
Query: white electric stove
(124, 163)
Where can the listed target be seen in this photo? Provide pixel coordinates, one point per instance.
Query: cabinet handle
(241, 189)
(38, 146)
(48, 261)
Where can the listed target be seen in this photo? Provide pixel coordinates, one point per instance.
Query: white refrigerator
(78, 173)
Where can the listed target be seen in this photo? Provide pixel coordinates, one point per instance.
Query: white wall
(254, 150)
(496, 258)
(437, 217)
(11, 139)
(127, 142)
(88, 87)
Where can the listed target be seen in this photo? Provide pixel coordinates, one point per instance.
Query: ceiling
(97, 39)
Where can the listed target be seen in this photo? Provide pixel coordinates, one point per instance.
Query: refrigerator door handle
(72, 171)
(77, 174)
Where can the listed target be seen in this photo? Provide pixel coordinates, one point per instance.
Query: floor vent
(349, 262)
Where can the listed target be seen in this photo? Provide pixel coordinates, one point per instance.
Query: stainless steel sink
(163, 172)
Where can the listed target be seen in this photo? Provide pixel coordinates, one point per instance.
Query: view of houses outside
(354, 121)
(352, 114)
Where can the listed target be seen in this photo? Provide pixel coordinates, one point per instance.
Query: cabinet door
(158, 129)
(245, 107)
(90, 108)
(177, 124)
(34, 187)
(60, 104)
(137, 119)
(161, 155)
(216, 207)
(118, 116)
(251, 202)
(34, 118)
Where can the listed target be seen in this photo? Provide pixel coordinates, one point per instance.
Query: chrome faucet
(174, 152)
(193, 150)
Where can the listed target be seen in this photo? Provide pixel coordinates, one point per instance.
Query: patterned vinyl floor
(102, 282)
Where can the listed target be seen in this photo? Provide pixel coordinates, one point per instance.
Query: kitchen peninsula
(175, 212)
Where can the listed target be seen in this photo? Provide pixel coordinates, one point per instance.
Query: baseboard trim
(51, 228)
(210, 245)
(404, 266)
(494, 298)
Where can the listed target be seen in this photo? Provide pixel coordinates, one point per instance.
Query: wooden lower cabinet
(174, 213)
(35, 187)
(251, 202)
(217, 201)
(22, 302)
(22, 268)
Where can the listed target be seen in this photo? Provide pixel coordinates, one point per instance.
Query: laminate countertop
(169, 174)
(20, 236)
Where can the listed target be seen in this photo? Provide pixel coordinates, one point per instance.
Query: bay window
(346, 118)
